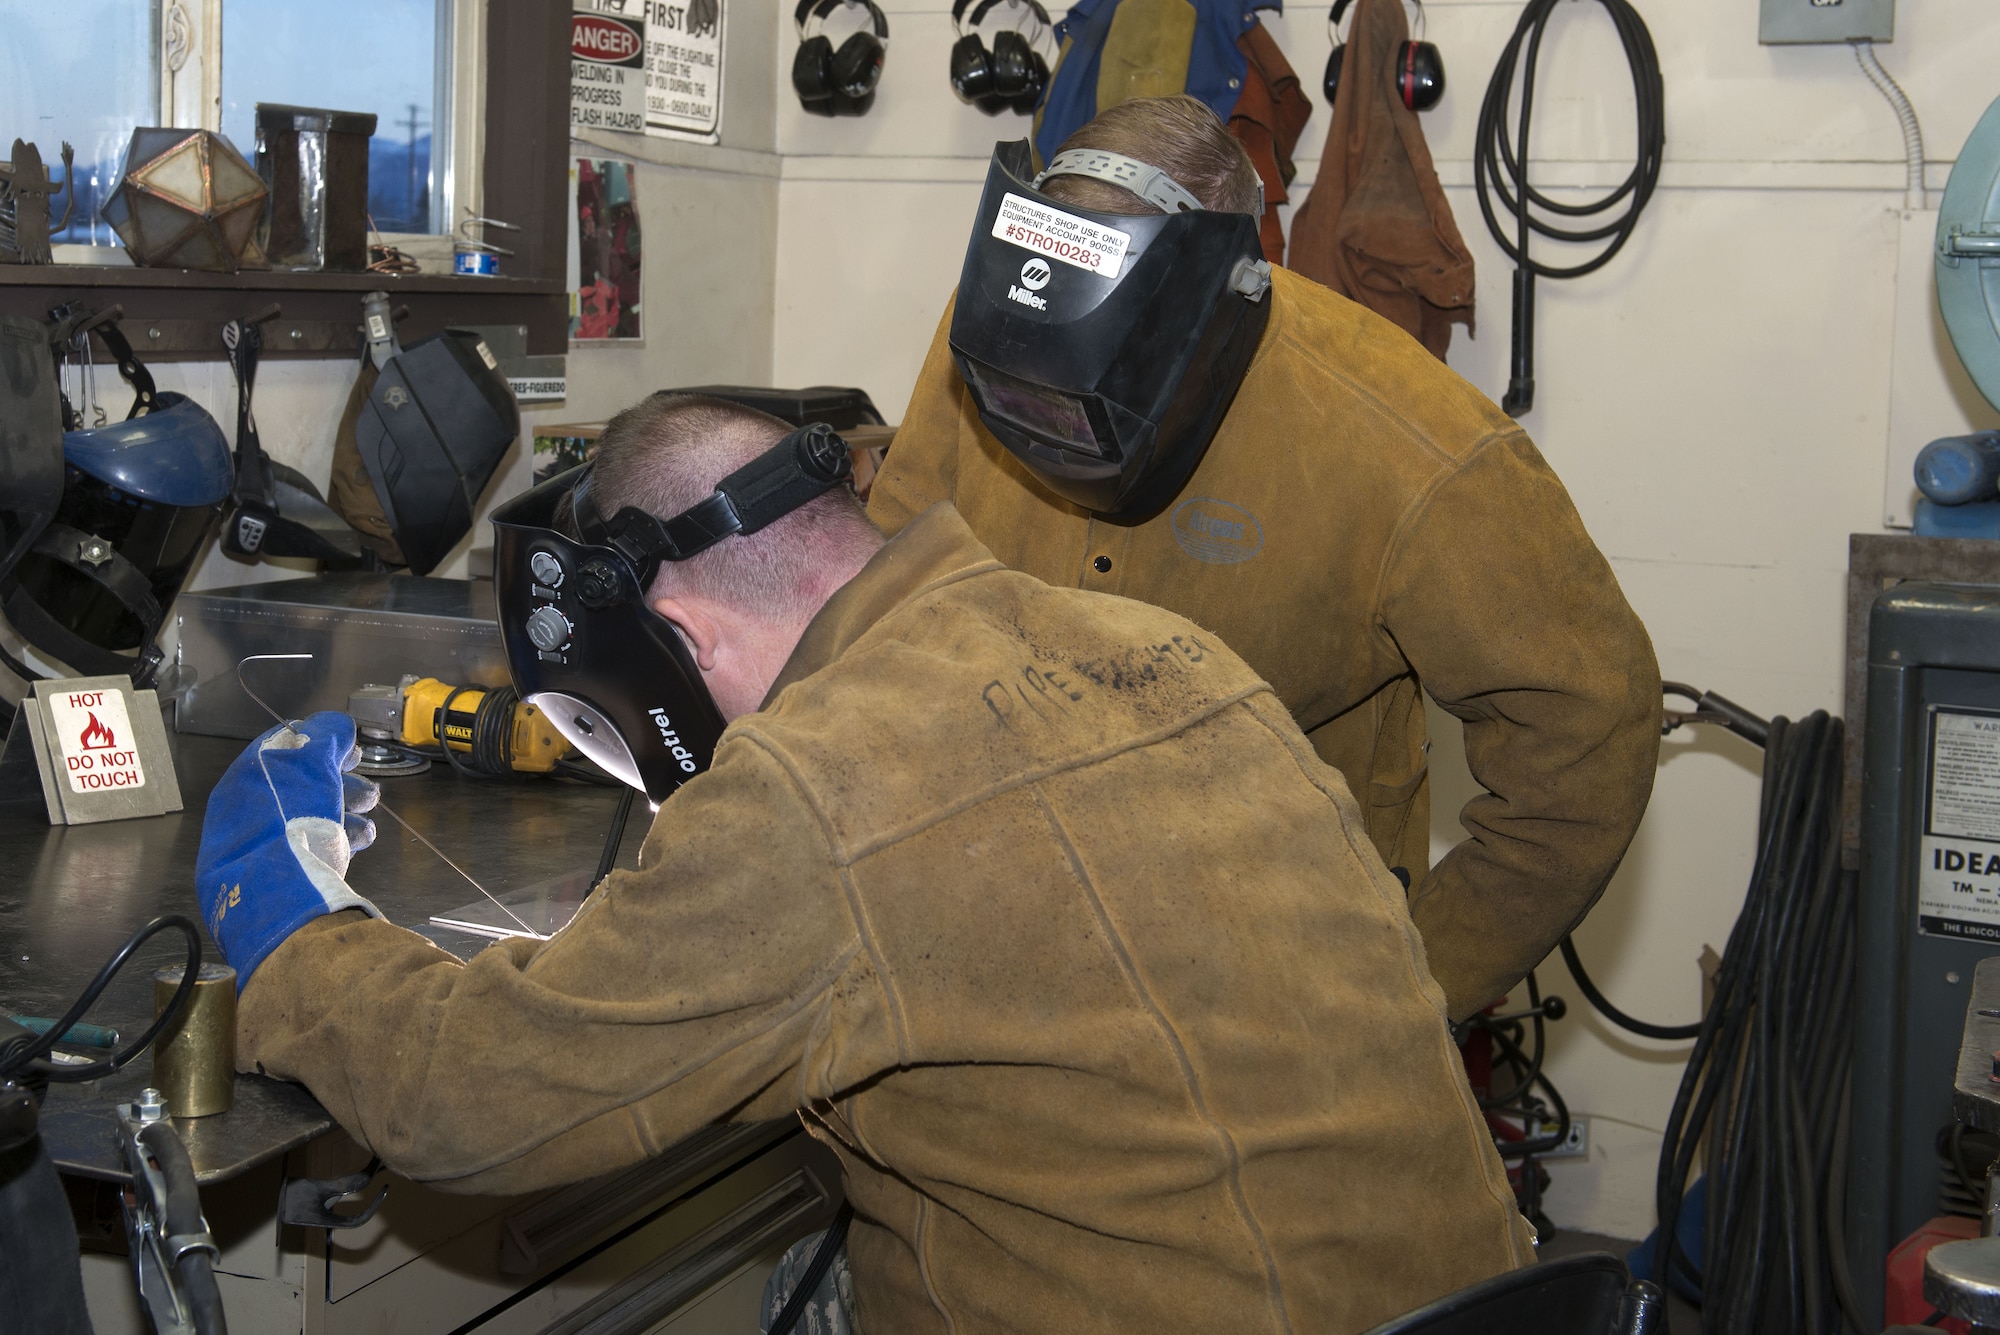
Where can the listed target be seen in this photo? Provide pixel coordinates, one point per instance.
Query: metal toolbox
(358, 628)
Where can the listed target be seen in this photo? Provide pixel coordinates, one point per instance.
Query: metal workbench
(717, 1208)
(72, 894)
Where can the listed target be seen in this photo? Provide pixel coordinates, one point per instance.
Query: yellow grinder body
(533, 744)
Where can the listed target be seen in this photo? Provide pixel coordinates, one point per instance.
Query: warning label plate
(1958, 870)
(1061, 236)
(94, 734)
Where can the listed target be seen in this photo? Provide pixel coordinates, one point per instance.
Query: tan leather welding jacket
(1364, 521)
(1043, 909)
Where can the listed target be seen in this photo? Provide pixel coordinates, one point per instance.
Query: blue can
(478, 263)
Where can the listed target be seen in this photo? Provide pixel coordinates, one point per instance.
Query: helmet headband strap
(1141, 178)
(805, 464)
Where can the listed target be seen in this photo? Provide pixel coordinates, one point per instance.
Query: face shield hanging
(89, 583)
(1103, 349)
(613, 675)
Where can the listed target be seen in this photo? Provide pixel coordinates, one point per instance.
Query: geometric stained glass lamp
(187, 200)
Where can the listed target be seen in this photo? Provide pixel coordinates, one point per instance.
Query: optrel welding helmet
(610, 673)
(1103, 349)
(139, 500)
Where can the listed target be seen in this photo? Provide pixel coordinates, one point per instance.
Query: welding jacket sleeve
(1517, 627)
(686, 992)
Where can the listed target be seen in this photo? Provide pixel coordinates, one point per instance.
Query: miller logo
(1217, 532)
(1034, 277)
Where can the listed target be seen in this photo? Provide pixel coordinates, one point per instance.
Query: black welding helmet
(613, 675)
(139, 500)
(1102, 349)
(434, 428)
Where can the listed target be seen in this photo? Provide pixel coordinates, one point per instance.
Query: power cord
(1500, 166)
(15, 1056)
(1772, 1044)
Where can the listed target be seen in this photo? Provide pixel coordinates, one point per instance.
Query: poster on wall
(605, 283)
(607, 65)
(684, 69)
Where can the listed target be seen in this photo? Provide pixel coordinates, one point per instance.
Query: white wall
(1725, 401)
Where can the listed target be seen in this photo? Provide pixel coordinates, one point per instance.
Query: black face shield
(611, 674)
(1103, 349)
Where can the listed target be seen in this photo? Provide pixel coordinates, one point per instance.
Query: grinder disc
(386, 762)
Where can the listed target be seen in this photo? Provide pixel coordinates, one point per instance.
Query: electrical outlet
(1576, 1145)
(1791, 22)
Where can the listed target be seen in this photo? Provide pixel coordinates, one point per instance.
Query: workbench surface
(71, 895)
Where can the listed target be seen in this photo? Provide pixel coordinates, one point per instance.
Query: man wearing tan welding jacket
(1033, 902)
(1123, 397)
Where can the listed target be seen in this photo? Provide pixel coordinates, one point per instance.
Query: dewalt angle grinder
(484, 729)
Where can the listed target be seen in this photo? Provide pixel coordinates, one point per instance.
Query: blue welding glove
(281, 826)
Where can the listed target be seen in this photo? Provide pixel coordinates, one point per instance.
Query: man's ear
(697, 626)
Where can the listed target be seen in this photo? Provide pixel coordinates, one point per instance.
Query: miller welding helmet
(613, 675)
(433, 430)
(1102, 349)
(139, 500)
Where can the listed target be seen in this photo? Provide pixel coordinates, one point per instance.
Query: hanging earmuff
(1012, 75)
(838, 81)
(1419, 64)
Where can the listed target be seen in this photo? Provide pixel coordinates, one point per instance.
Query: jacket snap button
(1102, 565)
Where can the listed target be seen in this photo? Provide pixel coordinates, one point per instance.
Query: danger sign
(1061, 236)
(94, 736)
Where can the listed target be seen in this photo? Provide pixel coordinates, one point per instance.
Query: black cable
(1500, 166)
(488, 750)
(13, 1059)
(1744, 724)
(1771, 1041)
(492, 730)
(193, 1273)
(614, 838)
(1610, 1012)
(822, 1257)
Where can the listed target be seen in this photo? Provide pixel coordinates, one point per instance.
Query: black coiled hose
(1769, 1065)
(1500, 166)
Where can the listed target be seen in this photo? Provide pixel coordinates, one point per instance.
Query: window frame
(516, 140)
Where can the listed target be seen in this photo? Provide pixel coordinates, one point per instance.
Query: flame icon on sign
(96, 737)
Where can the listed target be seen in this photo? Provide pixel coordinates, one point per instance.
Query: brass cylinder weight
(194, 1060)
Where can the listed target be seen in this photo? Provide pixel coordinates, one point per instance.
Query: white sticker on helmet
(1061, 236)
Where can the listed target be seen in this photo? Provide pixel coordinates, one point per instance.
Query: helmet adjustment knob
(598, 585)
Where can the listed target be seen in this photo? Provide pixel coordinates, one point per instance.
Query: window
(82, 71)
(379, 56)
(88, 71)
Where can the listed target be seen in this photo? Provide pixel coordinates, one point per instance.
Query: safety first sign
(1958, 869)
(1061, 236)
(97, 747)
(94, 735)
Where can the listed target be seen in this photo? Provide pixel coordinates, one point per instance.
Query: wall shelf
(178, 314)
